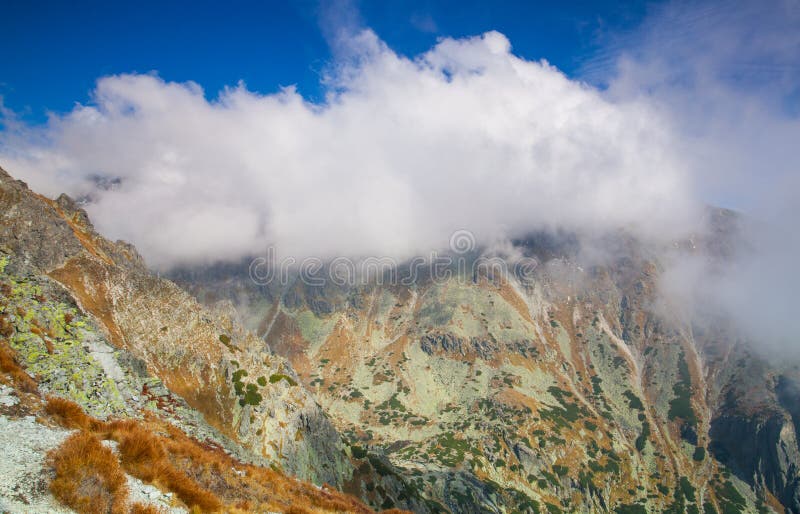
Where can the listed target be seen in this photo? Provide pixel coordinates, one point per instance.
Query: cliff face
(242, 389)
(579, 390)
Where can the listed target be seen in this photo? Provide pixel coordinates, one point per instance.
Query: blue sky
(54, 51)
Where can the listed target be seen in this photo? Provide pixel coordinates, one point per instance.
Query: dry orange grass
(296, 509)
(6, 327)
(9, 364)
(253, 487)
(138, 508)
(141, 453)
(144, 457)
(203, 476)
(36, 329)
(188, 490)
(75, 274)
(88, 477)
(67, 413)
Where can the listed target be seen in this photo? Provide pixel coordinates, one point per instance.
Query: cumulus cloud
(402, 153)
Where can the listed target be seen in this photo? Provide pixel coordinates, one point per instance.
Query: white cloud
(726, 76)
(402, 153)
(701, 106)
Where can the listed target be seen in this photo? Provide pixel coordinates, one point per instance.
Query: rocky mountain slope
(58, 373)
(579, 390)
(83, 319)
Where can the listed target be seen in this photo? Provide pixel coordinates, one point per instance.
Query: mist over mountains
(404, 151)
(458, 280)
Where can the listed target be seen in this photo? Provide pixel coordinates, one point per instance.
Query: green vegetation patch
(634, 402)
(633, 508)
(277, 377)
(560, 470)
(729, 498)
(681, 405)
(642, 439)
(450, 451)
(699, 453)
(380, 467)
(358, 452)
(569, 412)
(251, 396)
(686, 489)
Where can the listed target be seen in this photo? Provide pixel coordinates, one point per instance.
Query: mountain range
(580, 388)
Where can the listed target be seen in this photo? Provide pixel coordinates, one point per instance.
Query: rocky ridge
(87, 320)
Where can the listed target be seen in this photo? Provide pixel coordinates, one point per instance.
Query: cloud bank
(402, 153)
(699, 105)
(726, 76)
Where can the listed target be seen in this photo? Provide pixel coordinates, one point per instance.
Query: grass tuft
(88, 477)
(140, 508)
(67, 413)
(143, 456)
(10, 365)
